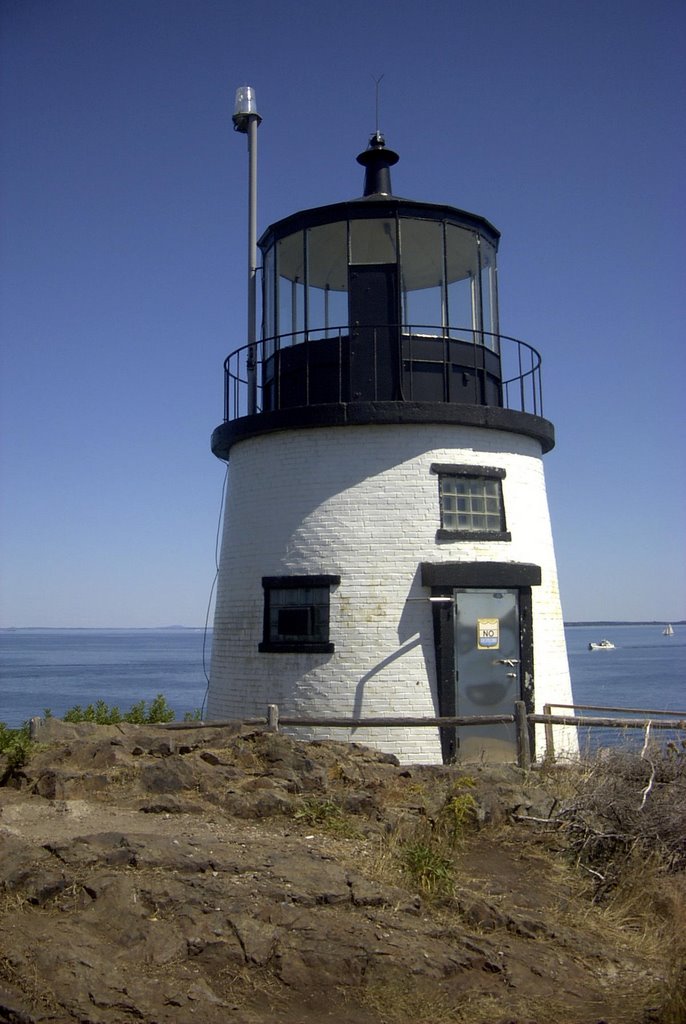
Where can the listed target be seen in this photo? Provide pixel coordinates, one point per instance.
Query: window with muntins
(296, 613)
(471, 503)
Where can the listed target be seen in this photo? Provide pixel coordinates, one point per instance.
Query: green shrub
(458, 813)
(427, 856)
(15, 746)
(100, 713)
(316, 811)
(139, 713)
(427, 867)
(327, 815)
(159, 710)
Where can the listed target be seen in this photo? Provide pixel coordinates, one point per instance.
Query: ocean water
(646, 670)
(59, 668)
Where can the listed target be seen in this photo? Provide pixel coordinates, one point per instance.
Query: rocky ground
(227, 875)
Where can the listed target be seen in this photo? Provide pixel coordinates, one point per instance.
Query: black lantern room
(380, 308)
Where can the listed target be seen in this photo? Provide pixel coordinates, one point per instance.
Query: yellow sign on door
(488, 634)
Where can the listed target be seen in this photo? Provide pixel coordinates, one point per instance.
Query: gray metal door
(487, 670)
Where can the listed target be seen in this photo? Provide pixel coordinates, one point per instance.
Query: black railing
(406, 363)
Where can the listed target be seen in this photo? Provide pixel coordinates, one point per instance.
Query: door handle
(511, 675)
(507, 661)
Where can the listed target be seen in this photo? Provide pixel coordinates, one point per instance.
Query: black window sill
(499, 535)
(273, 647)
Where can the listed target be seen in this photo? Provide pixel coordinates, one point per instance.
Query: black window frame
(496, 473)
(320, 645)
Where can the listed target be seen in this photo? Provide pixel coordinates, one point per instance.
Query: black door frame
(373, 310)
(443, 579)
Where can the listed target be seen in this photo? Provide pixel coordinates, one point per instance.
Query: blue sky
(124, 252)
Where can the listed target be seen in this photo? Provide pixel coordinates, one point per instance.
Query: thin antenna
(378, 83)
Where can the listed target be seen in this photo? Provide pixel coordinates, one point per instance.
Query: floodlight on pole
(245, 108)
(246, 120)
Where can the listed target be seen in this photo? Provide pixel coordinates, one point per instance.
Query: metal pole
(246, 120)
(253, 122)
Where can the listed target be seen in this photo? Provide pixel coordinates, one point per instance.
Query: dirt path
(221, 877)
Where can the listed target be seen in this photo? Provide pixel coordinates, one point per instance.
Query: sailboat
(668, 631)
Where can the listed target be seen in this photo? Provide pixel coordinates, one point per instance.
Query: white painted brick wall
(362, 503)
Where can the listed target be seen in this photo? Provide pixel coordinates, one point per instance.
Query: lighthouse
(387, 547)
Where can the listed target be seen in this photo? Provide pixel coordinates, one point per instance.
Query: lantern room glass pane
(462, 268)
(489, 296)
(422, 276)
(373, 241)
(327, 269)
(268, 308)
(290, 264)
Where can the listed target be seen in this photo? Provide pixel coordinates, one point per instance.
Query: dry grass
(648, 905)
(327, 815)
(397, 999)
(622, 818)
(421, 853)
(24, 977)
(482, 1008)
(247, 984)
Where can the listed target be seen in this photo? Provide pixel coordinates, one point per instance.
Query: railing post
(273, 717)
(340, 368)
(549, 742)
(522, 398)
(227, 385)
(522, 729)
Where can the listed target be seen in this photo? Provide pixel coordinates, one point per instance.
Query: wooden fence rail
(273, 719)
(549, 720)
(525, 723)
(627, 711)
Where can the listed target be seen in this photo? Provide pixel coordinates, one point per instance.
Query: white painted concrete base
(361, 502)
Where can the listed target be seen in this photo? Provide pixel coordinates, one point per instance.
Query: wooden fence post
(549, 742)
(522, 728)
(273, 717)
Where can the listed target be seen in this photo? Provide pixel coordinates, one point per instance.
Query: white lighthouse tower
(387, 547)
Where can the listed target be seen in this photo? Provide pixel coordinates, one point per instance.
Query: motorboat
(602, 645)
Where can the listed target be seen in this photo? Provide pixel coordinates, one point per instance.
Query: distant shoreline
(196, 629)
(628, 622)
(104, 629)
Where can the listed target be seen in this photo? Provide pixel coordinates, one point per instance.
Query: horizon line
(209, 628)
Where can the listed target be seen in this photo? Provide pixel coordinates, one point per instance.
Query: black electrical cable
(212, 589)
